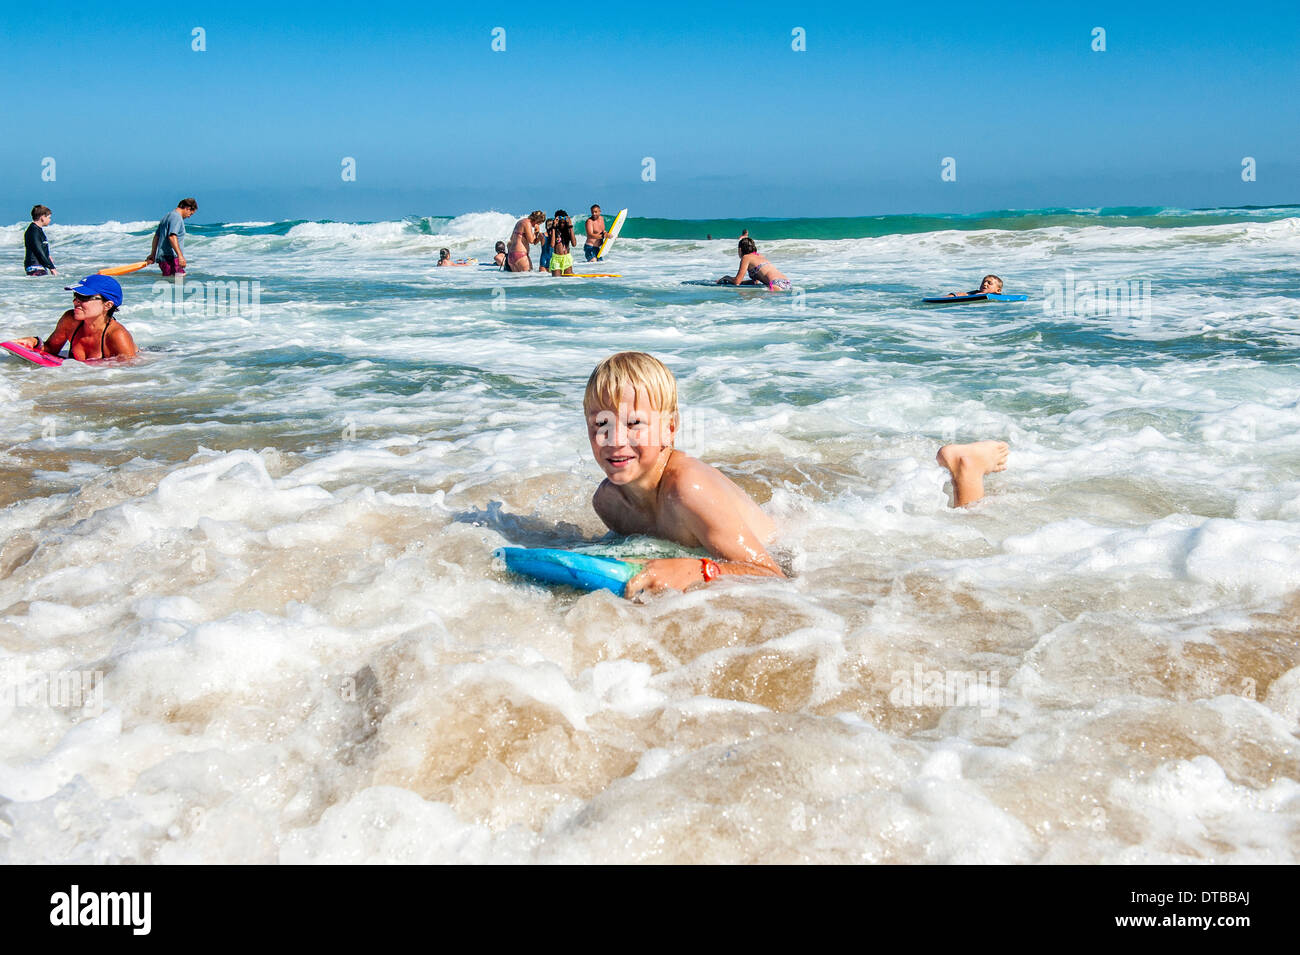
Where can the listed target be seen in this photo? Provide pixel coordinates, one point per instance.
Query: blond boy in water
(652, 488)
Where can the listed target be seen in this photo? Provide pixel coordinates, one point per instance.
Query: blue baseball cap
(105, 286)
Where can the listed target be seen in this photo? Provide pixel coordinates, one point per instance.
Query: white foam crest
(106, 229)
(485, 226)
(1254, 559)
(363, 235)
(1193, 806)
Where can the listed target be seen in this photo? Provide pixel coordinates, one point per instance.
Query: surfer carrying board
(595, 234)
(90, 325)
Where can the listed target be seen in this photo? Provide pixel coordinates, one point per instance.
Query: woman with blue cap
(89, 325)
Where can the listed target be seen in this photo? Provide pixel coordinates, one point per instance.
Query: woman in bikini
(525, 235)
(758, 269)
(89, 325)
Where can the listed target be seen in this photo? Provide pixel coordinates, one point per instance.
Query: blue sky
(737, 122)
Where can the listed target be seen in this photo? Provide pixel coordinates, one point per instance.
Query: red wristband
(709, 569)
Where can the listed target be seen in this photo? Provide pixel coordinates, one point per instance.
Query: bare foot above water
(968, 463)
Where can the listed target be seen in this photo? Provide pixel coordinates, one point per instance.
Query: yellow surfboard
(612, 234)
(123, 269)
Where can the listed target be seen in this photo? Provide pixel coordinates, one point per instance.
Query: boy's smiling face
(628, 440)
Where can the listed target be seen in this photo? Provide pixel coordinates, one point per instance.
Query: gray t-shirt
(172, 224)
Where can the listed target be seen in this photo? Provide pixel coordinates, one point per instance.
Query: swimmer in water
(90, 325)
(989, 285)
(524, 236)
(652, 488)
(444, 258)
(758, 269)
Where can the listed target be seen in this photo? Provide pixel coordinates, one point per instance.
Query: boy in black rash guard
(36, 259)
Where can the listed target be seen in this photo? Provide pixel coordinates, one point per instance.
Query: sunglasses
(78, 297)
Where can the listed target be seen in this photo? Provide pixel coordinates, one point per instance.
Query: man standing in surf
(168, 248)
(595, 234)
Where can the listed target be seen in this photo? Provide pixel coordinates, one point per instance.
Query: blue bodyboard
(964, 299)
(569, 568)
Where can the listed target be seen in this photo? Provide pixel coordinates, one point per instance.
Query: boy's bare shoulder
(690, 478)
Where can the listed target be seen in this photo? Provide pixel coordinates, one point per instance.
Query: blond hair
(636, 370)
(994, 278)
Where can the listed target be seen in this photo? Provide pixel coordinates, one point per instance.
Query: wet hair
(38, 211)
(444, 254)
(188, 204)
(595, 206)
(747, 246)
(639, 371)
(501, 247)
(994, 278)
(563, 228)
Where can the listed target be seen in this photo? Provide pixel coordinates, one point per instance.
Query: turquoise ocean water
(271, 537)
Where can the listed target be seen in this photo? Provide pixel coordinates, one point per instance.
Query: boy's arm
(714, 520)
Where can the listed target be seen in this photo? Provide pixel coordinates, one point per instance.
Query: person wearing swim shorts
(168, 248)
(90, 325)
(595, 234)
(525, 235)
(755, 269)
(562, 241)
(36, 250)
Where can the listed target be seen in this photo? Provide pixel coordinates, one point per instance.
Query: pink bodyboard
(35, 357)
